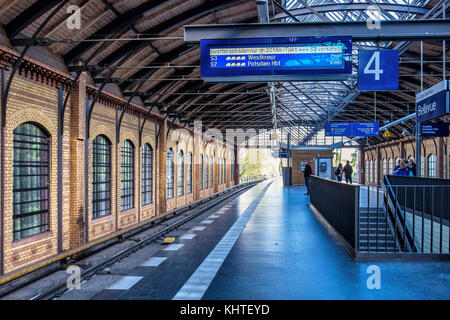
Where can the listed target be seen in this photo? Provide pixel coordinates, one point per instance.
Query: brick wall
(34, 98)
(29, 101)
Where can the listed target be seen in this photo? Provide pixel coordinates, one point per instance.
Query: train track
(61, 288)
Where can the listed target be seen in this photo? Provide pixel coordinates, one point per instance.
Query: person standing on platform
(339, 172)
(307, 173)
(411, 166)
(402, 171)
(348, 171)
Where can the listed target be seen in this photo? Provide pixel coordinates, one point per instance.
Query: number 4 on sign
(375, 60)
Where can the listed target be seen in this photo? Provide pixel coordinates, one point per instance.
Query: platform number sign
(378, 70)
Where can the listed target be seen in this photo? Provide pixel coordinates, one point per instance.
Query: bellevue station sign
(433, 102)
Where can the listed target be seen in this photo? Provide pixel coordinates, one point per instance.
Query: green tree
(248, 168)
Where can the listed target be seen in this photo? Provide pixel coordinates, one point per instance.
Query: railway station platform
(267, 244)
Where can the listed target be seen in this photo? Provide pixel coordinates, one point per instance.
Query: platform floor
(267, 244)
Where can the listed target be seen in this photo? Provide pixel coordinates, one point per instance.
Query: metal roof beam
(391, 30)
(125, 20)
(135, 46)
(30, 15)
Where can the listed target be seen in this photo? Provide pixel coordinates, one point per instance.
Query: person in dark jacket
(411, 166)
(402, 171)
(307, 173)
(348, 171)
(339, 172)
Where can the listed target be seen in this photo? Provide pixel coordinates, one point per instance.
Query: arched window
(384, 168)
(31, 181)
(232, 169)
(169, 174)
(422, 166)
(206, 172)
(367, 171)
(189, 173)
(371, 171)
(211, 172)
(220, 170)
(431, 166)
(391, 166)
(375, 171)
(224, 172)
(201, 172)
(180, 173)
(147, 174)
(396, 162)
(127, 175)
(101, 177)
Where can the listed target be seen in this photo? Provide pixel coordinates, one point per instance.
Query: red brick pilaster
(162, 146)
(77, 159)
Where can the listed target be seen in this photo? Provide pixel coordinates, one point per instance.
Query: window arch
(422, 166)
(201, 172)
(180, 173)
(169, 174)
(232, 169)
(431, 166)
(127, 175)
(224, 170)
(101, 177)
(375, 171)
(220, 171)
(371, 171)
(211, 171)
(31, 180)
(396, 161)
(367, 171)
(147, 174)
(206, 172)
(189, 173)
(384, 167)
(391, 166)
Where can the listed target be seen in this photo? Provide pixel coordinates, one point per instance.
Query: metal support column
(418, 125)
(86, 178)
(60, 167)
(288, 159)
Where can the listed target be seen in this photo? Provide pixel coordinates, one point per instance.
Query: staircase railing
(403, 215)
(397, 216)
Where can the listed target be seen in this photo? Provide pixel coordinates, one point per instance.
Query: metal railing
(400, 215)
(420, 213)
(246, 179)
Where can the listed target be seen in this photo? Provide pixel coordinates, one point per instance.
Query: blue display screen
(366, 129)
(435, 130)
(352, 129)
(338, 129)
(272, 59)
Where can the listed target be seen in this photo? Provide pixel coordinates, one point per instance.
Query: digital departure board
(338, 129)
(352, 129)
(276, 59)
(366, 129)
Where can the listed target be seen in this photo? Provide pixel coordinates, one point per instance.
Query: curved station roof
(137, 48)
